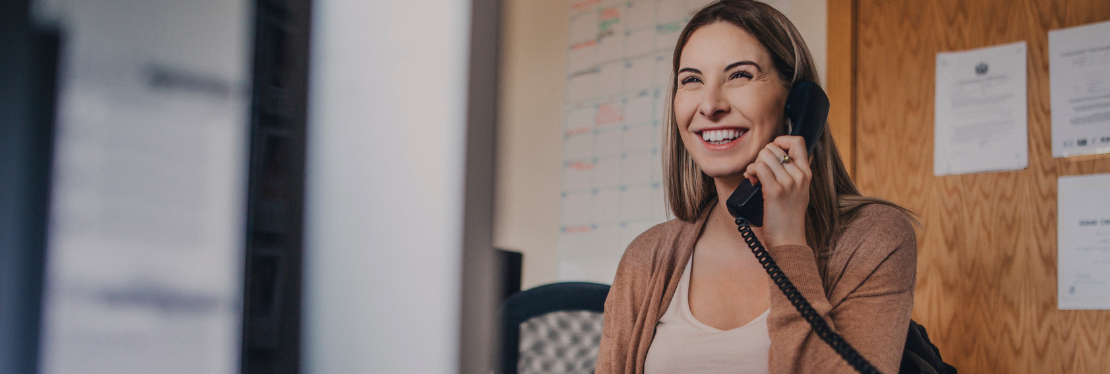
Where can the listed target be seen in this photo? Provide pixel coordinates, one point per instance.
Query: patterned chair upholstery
(555, 328)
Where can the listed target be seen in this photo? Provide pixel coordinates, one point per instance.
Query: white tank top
(682, 344)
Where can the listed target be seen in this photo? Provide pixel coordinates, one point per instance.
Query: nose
(713, 105)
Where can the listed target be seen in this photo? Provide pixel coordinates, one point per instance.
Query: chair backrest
(554, 328)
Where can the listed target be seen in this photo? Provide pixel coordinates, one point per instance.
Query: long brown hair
(832, 195)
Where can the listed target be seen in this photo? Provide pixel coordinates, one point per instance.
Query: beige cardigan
(866, 294)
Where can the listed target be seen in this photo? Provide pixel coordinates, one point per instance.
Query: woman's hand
(785, 189)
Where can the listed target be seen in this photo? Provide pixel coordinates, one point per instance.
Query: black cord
(800, 303)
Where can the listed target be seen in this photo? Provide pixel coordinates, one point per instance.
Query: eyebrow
(735, 64)
(727, 68)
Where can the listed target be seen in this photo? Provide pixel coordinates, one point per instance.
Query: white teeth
(719, 135)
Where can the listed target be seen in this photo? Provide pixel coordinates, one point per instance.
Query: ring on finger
(784, 159)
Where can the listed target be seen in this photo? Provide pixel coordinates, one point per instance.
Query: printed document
(1079, 74)
(1083, 242)
(981, 120)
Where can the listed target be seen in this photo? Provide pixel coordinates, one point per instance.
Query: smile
(722, 136)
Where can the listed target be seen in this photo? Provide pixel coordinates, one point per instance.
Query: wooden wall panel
(841, 72)
(986, 286)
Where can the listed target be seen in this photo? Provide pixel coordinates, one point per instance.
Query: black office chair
(554, 328)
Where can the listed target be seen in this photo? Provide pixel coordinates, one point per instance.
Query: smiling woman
(688, 296)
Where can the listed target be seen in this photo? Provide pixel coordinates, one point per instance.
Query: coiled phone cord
(800, 303)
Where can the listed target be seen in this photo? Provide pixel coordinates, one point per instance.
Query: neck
(720, 215)
(725, 187)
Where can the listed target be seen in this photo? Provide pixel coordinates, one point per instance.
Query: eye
(740, 74)
(690, 79)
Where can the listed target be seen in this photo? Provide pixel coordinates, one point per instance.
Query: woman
(689, 296)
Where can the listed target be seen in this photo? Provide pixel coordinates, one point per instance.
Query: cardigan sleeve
(618, 315)
(626, 297)
(871, 300)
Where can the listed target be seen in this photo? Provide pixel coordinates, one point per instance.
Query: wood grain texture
(986, 286)
(840, 81)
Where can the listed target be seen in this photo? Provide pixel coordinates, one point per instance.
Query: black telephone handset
(807, 107)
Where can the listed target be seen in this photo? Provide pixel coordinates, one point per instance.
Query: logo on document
(1081, 142)
(981, 68)
(1105, 139)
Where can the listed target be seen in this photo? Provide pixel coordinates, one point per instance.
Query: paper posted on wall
(1079, 75)
(1083, 242)
(980, 119)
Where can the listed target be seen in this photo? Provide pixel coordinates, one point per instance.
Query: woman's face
(729, 101)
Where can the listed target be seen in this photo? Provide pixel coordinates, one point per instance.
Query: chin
(724, 171)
